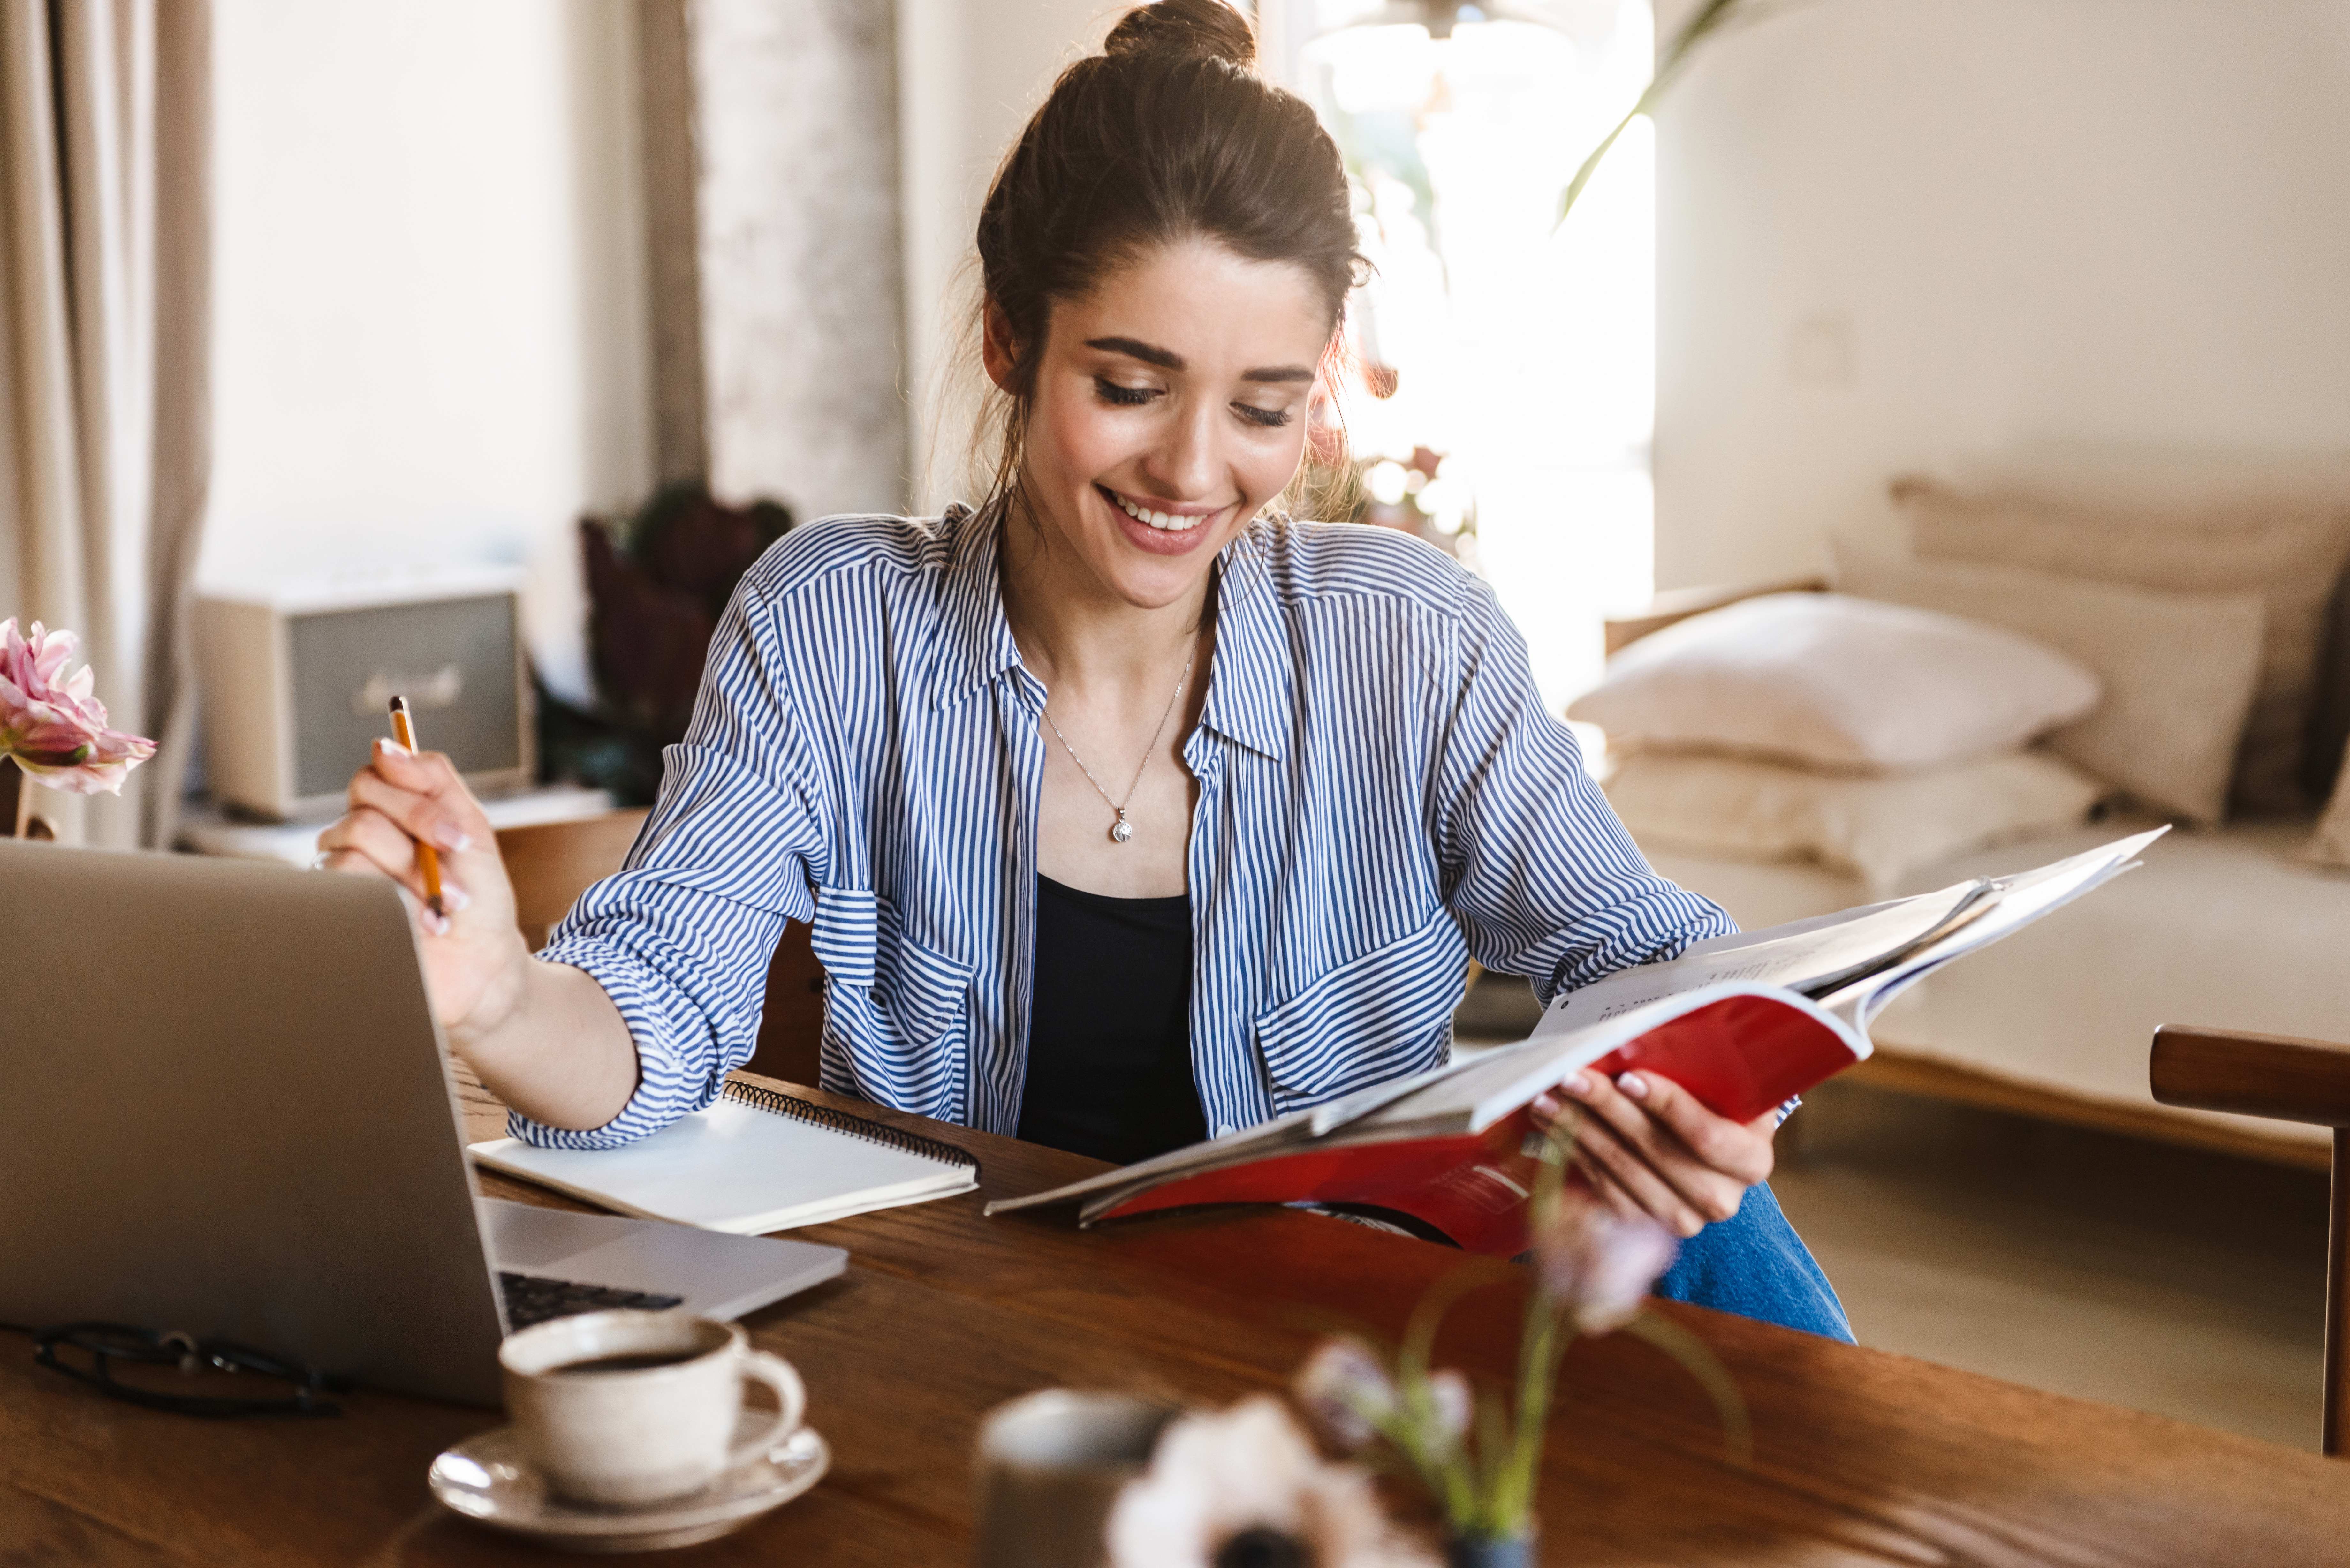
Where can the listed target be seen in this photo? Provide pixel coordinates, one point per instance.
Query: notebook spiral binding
(802, 1110)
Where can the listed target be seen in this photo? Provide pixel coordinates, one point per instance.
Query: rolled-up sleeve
(681, 937)
(1542, 877)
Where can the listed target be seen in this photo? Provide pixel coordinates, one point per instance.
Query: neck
(1071, 629)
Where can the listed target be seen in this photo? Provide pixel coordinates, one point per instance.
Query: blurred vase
(1492, 1550)
(1048, 1469)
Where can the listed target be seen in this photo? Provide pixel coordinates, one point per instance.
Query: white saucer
(487, 1479)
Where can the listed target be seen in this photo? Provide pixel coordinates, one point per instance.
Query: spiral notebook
(756, 1161)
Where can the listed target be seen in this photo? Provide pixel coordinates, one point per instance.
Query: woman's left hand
(1646, 1146)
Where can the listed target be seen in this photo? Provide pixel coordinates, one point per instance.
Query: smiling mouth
(1165, 521)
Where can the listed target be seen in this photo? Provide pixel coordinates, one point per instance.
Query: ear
(997, 349)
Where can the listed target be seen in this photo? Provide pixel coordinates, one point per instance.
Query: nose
(1189, 461)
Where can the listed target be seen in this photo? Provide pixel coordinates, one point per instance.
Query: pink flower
(1455, 1406)
(1345, 1392)
(1598, 1264)
(58, 732)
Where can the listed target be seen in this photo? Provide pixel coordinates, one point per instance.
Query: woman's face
(1170, 406)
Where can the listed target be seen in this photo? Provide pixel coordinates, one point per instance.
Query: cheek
(1082, 439)
(1273, 465)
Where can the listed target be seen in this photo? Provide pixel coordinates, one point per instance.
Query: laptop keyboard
(530, 1299)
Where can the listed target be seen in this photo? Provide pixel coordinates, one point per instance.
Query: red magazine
(1741, 1054)
(1744, 1022)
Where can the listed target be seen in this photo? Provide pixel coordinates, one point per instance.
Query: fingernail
(453, 897)
(1575, 1083)
(438, 925)
(1635, 1085)
(446, 835)
(1547, 1103)
(389, 748)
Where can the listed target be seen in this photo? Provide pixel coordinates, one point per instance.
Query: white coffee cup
(1046, 1469)
(623, 1409)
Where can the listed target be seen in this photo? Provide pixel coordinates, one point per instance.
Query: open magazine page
(1801, 956)
(1798, 957)
(1481, 1090)
(2012, 903)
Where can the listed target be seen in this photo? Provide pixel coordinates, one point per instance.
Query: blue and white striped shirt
(1381, 794)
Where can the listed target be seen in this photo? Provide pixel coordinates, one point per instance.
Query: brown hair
(1167, 135)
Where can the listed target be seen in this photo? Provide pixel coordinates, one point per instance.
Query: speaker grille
(452, 658)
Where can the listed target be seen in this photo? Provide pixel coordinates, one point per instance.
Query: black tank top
(1109, 1035)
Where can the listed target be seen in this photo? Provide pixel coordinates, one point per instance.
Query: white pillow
(2288, 551)
(1875, 828)
(2179, 670)
(1837, 683)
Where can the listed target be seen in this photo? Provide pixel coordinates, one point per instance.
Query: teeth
(1158, 520)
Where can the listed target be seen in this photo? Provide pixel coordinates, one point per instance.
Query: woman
(1124, 811)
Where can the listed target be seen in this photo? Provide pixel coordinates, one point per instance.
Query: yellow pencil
(403, 730)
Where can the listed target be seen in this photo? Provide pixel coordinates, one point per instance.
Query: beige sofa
(2222, 926)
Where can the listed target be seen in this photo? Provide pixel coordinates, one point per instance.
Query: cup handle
(790, 1394)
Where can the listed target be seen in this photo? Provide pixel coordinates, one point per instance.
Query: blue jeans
(1755, 1264)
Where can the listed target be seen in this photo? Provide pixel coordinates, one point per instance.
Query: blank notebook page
(755, 1161)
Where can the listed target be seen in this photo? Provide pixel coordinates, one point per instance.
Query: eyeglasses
(109, 1343)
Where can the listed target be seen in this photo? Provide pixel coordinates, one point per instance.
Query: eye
(1269, 419)
(1109, 391)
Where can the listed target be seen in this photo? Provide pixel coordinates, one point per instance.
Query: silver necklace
(1121, 830)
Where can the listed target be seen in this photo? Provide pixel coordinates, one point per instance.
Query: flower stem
(24, 800)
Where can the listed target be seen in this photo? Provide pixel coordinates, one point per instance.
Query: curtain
(105, 312)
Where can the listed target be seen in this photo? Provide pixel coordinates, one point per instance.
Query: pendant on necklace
(1122, 830)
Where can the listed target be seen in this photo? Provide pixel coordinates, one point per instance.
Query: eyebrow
(1168, 359)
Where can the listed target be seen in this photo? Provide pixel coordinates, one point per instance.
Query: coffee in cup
(624, 1408)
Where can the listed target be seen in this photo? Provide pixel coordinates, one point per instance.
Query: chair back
(2284, 1079)
(551, 863)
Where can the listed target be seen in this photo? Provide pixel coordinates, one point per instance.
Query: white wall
(1892, 232)
(969, 73)
(431, 333)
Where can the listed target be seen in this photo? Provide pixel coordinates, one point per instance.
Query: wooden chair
(2286, 1080)
(551, 863)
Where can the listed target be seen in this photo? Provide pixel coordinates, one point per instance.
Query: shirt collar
(978, 643)
(1252, 684)
(1249, 683)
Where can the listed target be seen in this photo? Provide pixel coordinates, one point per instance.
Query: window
(1518, 351)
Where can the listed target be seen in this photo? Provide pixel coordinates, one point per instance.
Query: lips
(1165, 521)
(1159, 532)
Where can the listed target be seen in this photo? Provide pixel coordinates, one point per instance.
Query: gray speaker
(296, 682)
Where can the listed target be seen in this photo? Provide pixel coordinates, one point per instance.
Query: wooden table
(1860, 1457)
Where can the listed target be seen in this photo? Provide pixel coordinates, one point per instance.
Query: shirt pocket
(1380, 1016)
(897, 1007)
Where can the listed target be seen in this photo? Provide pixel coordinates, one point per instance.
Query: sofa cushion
(1837, 683)
(2288, 549)
(2178, 670)
(2329, 708)
(2330, 845)
(1877, 827)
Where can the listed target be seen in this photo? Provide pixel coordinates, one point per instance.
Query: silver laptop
(225, 1109)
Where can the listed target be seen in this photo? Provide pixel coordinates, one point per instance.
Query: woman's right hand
(476, 962)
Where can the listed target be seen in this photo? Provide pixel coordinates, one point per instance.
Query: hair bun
(1185, 29)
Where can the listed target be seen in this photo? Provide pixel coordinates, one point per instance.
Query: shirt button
(1224, 1130)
